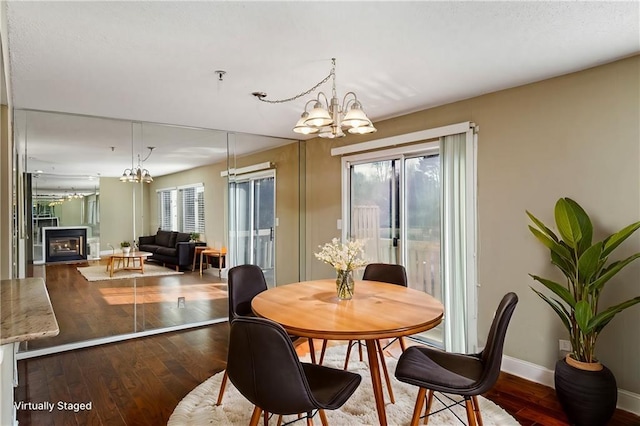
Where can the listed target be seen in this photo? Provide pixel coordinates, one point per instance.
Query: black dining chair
(264, 367)
(467, 375)
(244, 283)
(386, 273)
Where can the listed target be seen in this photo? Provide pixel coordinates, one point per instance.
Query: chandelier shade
(329, 117)
(301, 127)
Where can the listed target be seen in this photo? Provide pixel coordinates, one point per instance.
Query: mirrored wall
(115, 181)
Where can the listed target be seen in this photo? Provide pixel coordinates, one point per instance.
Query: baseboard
(627, 401)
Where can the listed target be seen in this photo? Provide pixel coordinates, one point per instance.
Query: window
(181, 209)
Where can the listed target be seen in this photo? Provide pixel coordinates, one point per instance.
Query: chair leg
(427, 409)
(360, 349)
(402, 344)
(223, 385)
(322, 351)
(279, 420)
(385, 371)
(323, 418)
(476, 409)
(471, 415)
(255, 417)
(309, 419)
(266, 419)
(312, 351)
(418, 408)
(346, 359)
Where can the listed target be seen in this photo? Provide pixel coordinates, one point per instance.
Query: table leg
(374, 369)
(141, 260)
(201, 255)
(111, 267)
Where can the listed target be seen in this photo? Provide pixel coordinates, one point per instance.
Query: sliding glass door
(394, 205)
(253, 221)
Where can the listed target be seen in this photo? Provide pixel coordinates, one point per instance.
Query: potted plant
(194, 236)
(586, 389)
(126, 247)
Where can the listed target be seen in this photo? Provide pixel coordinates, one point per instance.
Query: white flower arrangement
(343, 256)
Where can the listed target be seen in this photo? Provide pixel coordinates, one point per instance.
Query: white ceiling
(156, 60)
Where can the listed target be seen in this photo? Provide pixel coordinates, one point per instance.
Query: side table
(221, 254)
(197, 253)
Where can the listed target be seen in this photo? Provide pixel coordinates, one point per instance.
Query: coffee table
(124, 260)
(377, 311)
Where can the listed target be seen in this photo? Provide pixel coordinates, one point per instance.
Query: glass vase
(345, 285)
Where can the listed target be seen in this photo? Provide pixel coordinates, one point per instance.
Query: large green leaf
(542, 227)
(589, 262)
(568, 224)
(550, 244)
(583, 314)
(616, 239)
(558, 308)
(558, 289)
(598, 322)
(611, 272)
(586, 227)
(567, 267)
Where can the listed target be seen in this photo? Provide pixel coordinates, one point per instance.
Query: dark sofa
(169, 248)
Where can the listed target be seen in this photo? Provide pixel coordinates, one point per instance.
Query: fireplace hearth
(64, 244)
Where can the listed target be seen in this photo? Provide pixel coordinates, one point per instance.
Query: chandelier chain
(293, 98)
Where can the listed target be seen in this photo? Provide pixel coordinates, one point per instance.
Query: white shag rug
(99, 272)
(198, 407)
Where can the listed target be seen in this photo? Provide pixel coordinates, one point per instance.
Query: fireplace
(64, 244)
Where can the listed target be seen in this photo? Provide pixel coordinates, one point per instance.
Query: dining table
(377, 310)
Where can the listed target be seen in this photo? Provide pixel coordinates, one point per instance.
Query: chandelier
(138, 174)
(328, 117)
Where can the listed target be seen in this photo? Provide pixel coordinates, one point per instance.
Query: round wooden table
(377, 311)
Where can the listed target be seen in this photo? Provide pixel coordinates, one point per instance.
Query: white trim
(527, 370)
(247, 169)
(193, 185)
(423, 148)
(452, 129)
(627, 401)
(113, 339)
(170, 188)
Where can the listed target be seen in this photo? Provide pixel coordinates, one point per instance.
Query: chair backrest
(245, 283)
(264, 367)
(491, 355)
(386, 273)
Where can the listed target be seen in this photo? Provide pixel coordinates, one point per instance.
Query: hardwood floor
(139, 382)
(88, 310)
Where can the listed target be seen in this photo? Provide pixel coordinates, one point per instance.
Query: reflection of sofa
(169, 247)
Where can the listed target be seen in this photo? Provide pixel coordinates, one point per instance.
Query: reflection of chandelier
(329, 117)
(138, 174)
(74, 196)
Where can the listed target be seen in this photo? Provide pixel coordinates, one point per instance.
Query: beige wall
(116, 212)
(576, 135)
(70, 212)
(286, 161)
